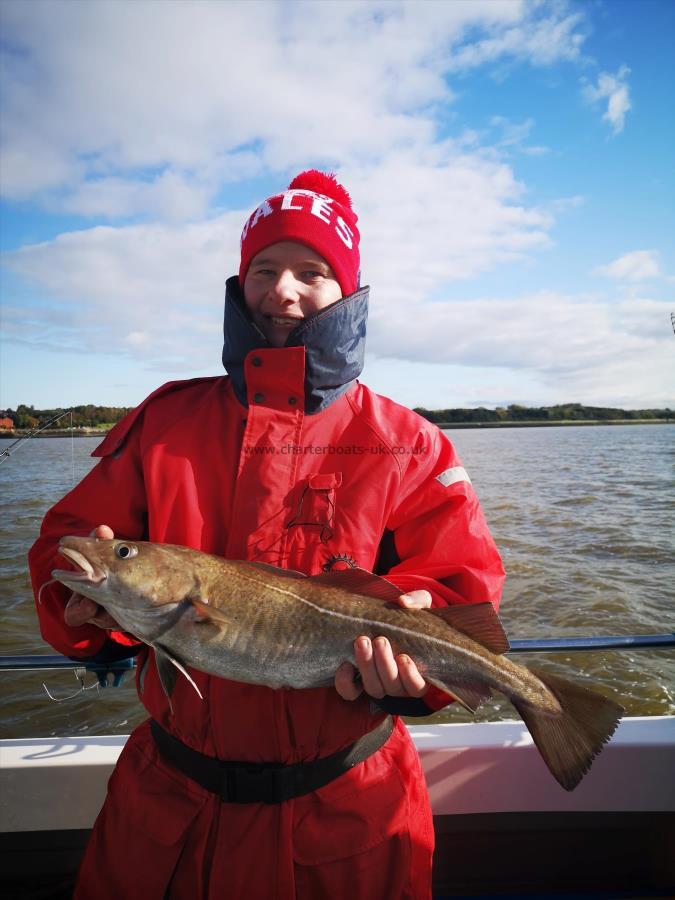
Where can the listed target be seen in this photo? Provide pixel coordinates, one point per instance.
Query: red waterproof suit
(194, 466)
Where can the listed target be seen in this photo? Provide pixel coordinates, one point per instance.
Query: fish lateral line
(219, 617)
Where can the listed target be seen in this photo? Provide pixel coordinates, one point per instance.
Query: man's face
(285, 284)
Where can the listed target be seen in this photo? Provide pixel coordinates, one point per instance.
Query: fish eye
(125, 551)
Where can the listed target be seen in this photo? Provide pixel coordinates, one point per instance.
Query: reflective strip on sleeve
(453, 475)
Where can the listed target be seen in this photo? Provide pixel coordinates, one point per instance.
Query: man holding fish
(194, 807)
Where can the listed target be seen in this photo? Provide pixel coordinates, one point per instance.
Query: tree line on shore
(561, 412)
(87, 416)
(92, 416)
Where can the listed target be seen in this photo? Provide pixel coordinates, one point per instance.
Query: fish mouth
(85, 571)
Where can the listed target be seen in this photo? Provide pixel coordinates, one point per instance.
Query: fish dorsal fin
(275, 570)
(356, 580)
(478, 621)
(359, 581)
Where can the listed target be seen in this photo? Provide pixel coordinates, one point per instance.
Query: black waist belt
(241, 782)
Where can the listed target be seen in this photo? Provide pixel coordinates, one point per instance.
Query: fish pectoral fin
(469, 694)
(205, 612)
(359, 581)
(478, 621)
(166, 672)
(167, 665)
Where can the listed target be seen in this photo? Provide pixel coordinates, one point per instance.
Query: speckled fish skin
(268, 627)
(258, 624)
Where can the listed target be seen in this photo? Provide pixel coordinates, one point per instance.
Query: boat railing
(119, 668)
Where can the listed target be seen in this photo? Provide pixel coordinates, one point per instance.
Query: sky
(511, 164)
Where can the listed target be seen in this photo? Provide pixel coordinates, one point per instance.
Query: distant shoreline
(6, 435)
(444, 426)
(552, 423)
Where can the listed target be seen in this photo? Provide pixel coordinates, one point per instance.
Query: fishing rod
(603, 642)
(14, 446)
(525, 645)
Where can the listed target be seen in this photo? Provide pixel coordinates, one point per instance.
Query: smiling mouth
(285, 321)
(85, 571)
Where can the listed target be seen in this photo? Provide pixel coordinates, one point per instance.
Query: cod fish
(256, 623)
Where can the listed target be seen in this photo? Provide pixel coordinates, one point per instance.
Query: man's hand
(382, 673)
(83, 611)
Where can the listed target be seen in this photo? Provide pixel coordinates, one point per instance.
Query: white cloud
(166, 123)
(639, 265)
(547, 35)
(513, 136)
(170, 197)
(615, 90)
(438, 216)
(547, 330)
(129, 110)
(582, 347)
(154, 294)
(97, 95)
(426, 219)
(564, 204)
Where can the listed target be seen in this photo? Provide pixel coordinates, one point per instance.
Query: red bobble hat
(315, 210)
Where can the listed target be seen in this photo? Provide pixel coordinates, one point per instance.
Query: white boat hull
(503, 824)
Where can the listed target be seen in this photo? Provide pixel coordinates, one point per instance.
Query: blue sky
(511, 164)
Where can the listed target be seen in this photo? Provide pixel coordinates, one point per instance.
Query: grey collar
(334, 341)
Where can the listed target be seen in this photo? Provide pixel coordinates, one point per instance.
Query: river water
(583, 517)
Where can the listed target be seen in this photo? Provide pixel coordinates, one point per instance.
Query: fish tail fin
(570, 740)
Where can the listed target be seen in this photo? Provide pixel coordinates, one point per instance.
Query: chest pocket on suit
(315, 505)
